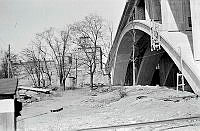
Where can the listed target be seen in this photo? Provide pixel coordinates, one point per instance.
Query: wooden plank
(8, 86)
(35, 89)
(7, 121)
(7, 118)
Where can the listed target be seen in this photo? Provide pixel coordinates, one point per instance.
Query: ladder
(180, 83)
(155, 36)
(180, 75)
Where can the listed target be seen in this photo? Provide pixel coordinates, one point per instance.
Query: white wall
(195, 15)
(7, 120)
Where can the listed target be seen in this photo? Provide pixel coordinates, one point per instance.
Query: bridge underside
(177, 23)
(151, 67)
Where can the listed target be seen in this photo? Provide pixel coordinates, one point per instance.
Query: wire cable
(137, 58)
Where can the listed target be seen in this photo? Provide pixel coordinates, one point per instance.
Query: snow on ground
(85, 109)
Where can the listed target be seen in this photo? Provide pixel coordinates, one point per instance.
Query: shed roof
(8, 86)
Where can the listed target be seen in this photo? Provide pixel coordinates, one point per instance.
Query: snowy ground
(85, 109)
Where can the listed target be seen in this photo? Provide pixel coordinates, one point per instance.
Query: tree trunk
(91, 80)
(109, 80)
(61, 79)
(38, 77)
(64, 86)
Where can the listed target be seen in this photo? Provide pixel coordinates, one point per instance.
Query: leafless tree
(37, 64)
(32, 65)
(87, 34)
(58, 43)
(107, 41)
(46, 67)
(14, 71)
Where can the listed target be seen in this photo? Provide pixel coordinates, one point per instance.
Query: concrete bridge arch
(169, 44)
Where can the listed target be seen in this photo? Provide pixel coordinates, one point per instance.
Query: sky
(21, 19)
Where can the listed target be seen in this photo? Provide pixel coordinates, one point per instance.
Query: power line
(149, 55)
(153, 54)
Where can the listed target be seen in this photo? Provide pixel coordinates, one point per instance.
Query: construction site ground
(143, 108)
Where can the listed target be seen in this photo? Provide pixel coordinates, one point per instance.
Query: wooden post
(76, 71)
(134, 33)
(182, 77)
(8, 60)
(177, 82)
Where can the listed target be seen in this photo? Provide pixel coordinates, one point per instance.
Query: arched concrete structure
(170, 42)
(123, 56)
(178, 29)
(148, 66)
(166, 65)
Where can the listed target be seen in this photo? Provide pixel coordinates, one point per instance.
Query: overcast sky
(21, 19)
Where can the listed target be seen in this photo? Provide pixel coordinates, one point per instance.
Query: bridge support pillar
(195, 15)
(153, 10)
(120, 69)
(166, 65)
(172, 19)
(148, 66)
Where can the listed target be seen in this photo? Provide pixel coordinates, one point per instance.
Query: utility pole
(38, 61)
(76, 70)
(8, 60)
(134, 33)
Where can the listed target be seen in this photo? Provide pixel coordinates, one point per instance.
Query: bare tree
(58, 43)
(37, 64)
(87, 34)
(45, 63)
(32, 65)
(14, 71)
(107, 41)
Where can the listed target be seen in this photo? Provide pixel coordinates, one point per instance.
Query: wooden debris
(47, 91)
(57, 110)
